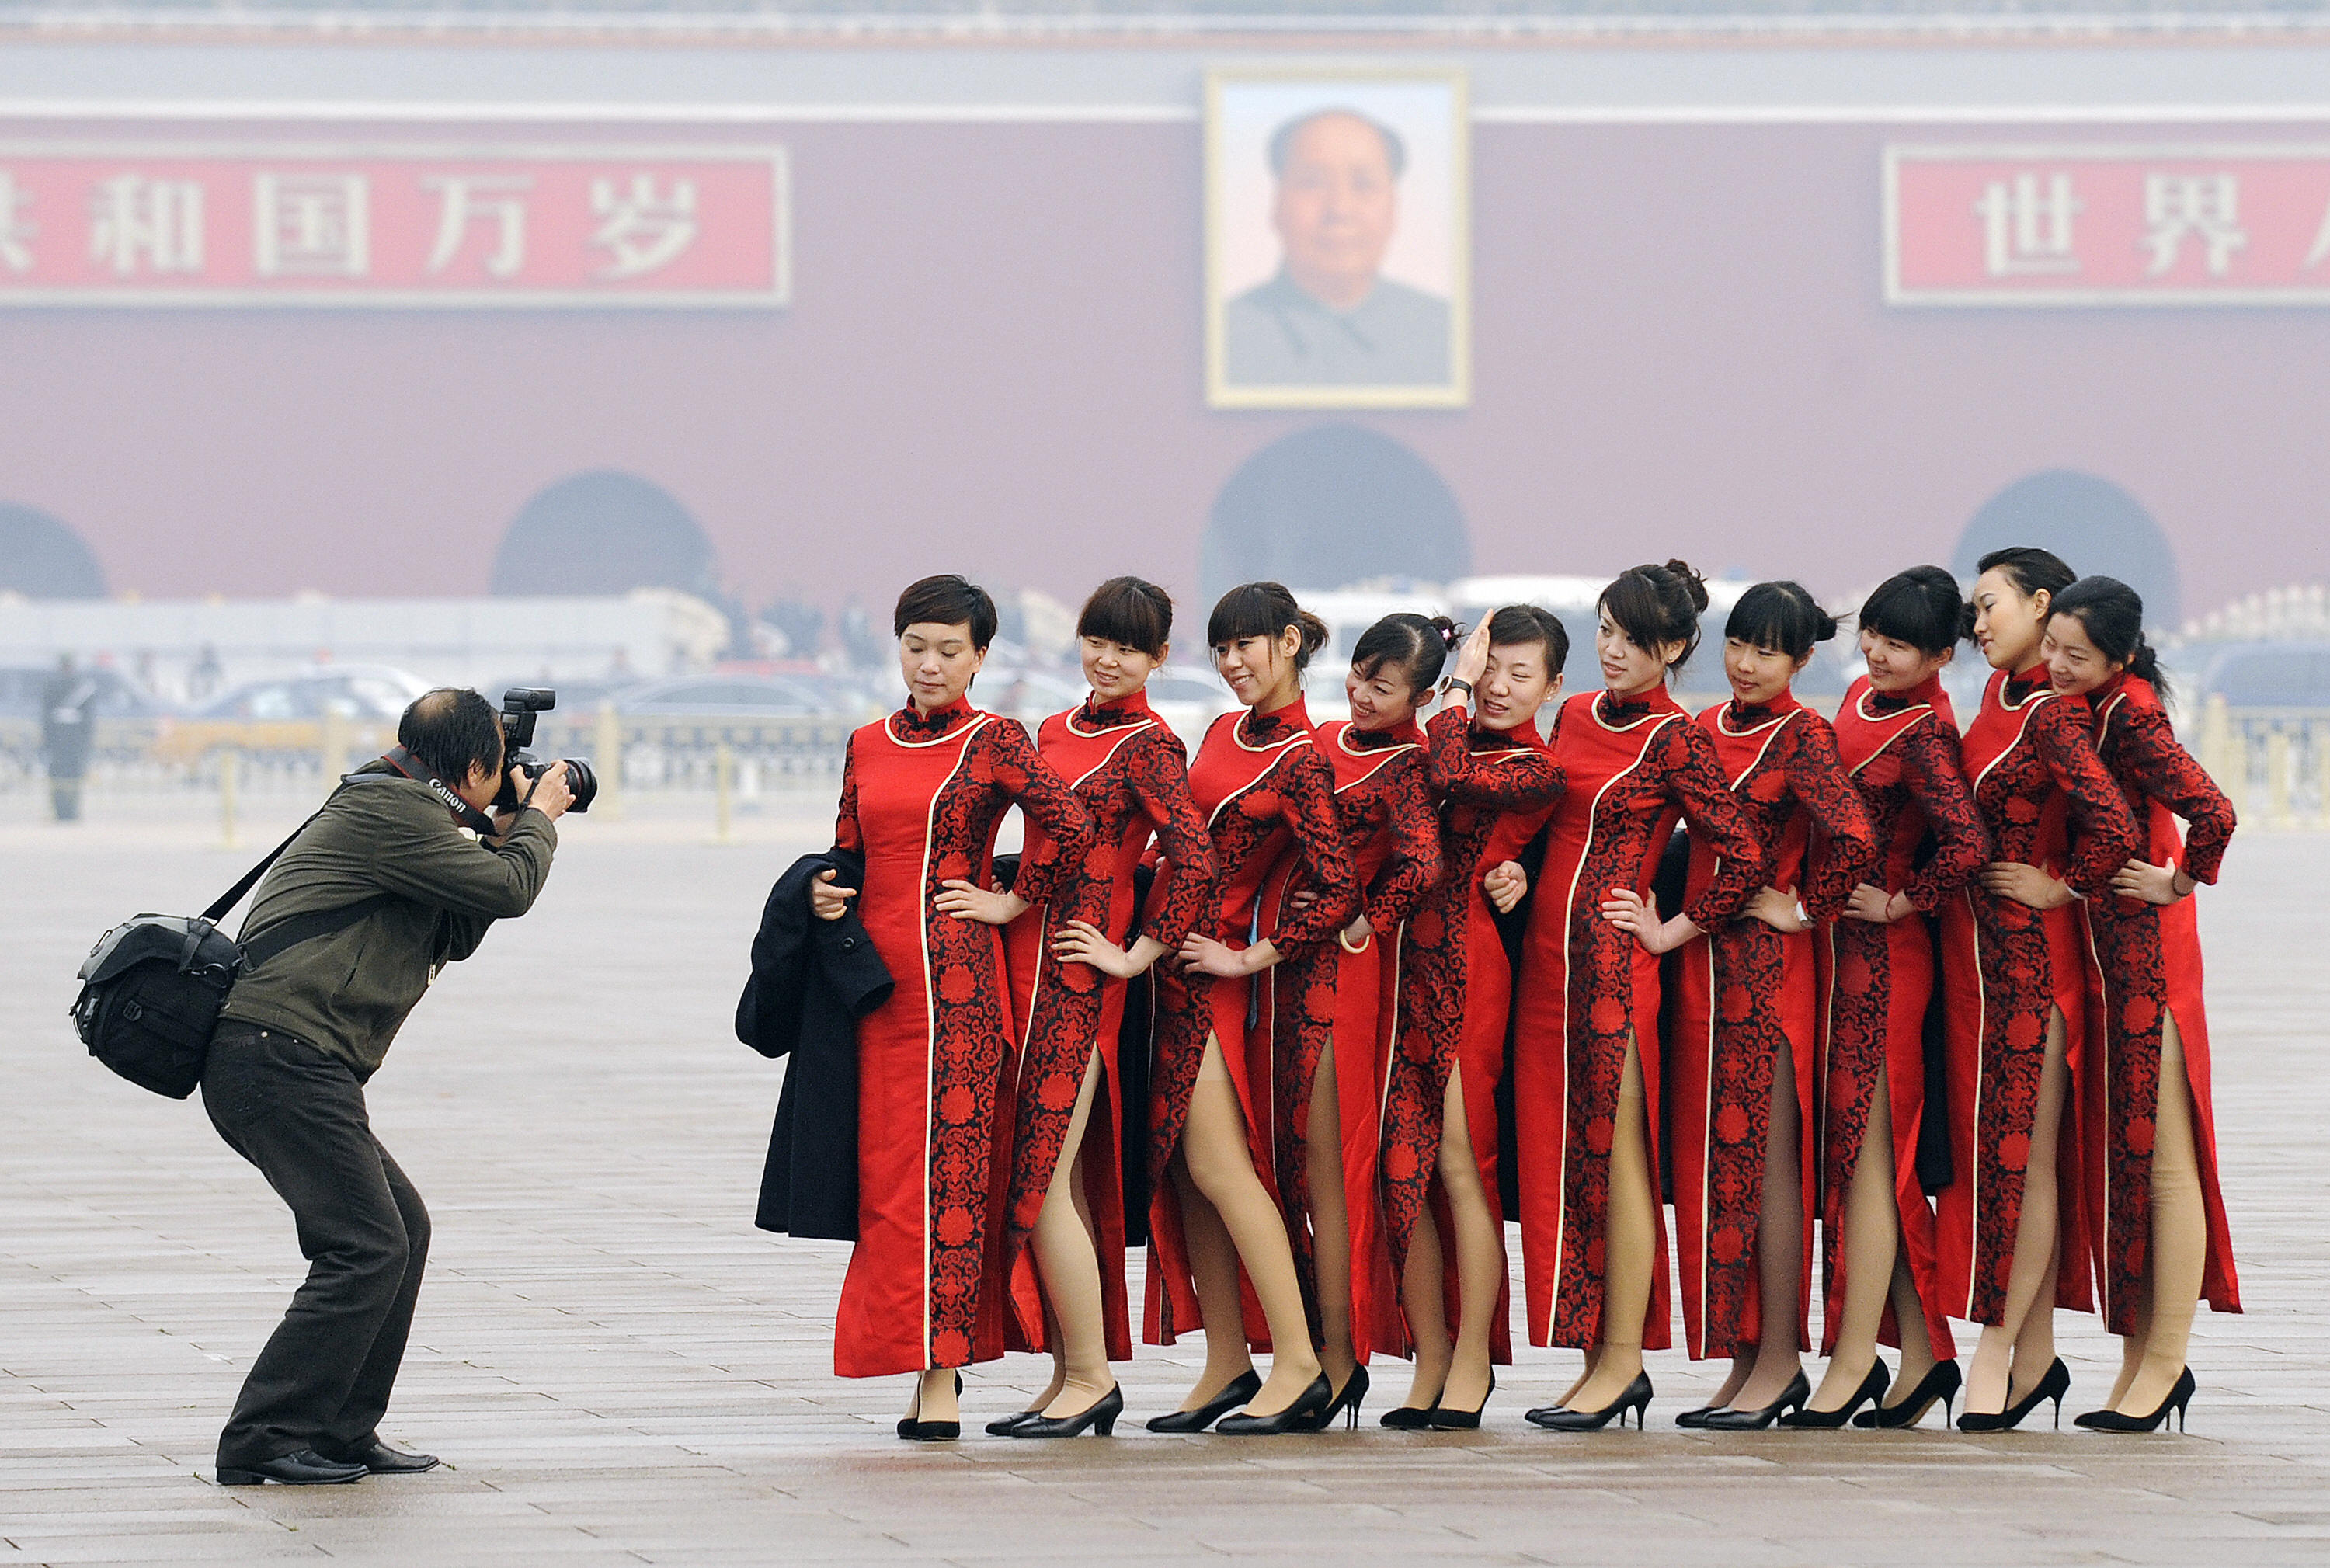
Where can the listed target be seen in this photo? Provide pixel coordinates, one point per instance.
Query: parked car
(291, 713)
(127, 717)
(726, 697)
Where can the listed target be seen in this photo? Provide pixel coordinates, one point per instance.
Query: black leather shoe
(301, 1467)
(381, 1459)
(2178, 1398)
(1792, 1397)
(1446, 1419)
(1873, 1384)
(1408, 1417)
(1635, 1396)
(1295, 1417)
(1346, 1402)
(1238, 1390)
(1100, 1415)
(2054, 1386)
(1697, 1416)
(915, 1430)
(1940, 1383)
(1002, 1425)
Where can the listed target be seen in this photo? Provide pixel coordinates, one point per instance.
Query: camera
(521, 706)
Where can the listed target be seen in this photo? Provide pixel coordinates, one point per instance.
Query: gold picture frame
(1393, 295)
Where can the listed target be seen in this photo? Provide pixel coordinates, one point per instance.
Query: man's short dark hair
(1281, 140)
(453, 729)
(947, 600)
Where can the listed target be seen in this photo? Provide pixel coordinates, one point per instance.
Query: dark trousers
(324, 1376)
(64, 797)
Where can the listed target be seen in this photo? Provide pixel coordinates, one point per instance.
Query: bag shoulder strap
(298, 928)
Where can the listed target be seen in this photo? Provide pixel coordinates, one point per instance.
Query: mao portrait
(1336, 247)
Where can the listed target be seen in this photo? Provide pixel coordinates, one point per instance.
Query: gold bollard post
(723, 769)
(2216, 738)
(2276, 777)
(333, 754)
(608, 749)
(230, 766)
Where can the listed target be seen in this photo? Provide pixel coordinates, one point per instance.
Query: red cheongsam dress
(921, 797)
(1129, 771)
(1901, 752)
(2143, 964)
(2048, 802)
(1496, 788)
(1587, 989)
(1268, 798)
(1383, 805)
(1747, 994)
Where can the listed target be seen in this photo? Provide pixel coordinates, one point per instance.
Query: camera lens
(582, 783)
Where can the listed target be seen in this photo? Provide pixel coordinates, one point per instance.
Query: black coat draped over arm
(812, 981)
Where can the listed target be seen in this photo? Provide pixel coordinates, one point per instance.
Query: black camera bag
(151, 987)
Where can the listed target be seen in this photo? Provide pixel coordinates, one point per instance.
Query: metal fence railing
(2274, 763)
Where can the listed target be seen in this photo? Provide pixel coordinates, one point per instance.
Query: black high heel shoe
(1871, 1391)
(2054, 1386)
(1792, 1397)
(2112, 1421)
(1696, 1418)
(1233, 1393)
(1309, 1403)
(1408, 1417)
(1346, 1402)
(1636, 1397)
(1100, 1415)
(1942, 1380)
(1446, 1419)
(1001, 1425)
(915, 1430)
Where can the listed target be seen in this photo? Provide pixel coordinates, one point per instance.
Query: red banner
(378, 225)
(2238, 224)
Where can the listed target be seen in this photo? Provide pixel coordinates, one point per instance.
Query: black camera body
(521, 706)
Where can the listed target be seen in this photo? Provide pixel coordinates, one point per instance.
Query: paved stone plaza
(620, 1369)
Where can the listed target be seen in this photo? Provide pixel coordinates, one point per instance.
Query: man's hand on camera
(551, 795)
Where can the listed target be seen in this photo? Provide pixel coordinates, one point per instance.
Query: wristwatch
(1454, 684)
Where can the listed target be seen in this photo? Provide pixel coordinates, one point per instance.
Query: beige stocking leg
(1479, 1256)
(1629, 1247)
(1779, 1250)
(1213, 1256)
(1330, 1223)
(1220, 1169)
(1071, 1270)
(2014, 1353)
(1421, 1288)
(2179, 1253)
(1872, 1231)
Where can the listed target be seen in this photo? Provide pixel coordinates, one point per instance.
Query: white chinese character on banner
(161, 221)
(642, 229)
(311, 225)
(2027, 226)
(495, 199)
(2314, 256)
(2205, 205)
(15, 233)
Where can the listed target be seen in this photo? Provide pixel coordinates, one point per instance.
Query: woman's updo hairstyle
(1658, 604)
(1413, 644)
(949, 599)
(2113, 614)
(1780, 615)
(2031, 569)
(1130, 612)
(1265, 609)
(1921, 607)
(1519, 623)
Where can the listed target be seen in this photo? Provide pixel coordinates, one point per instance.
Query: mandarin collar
(910, 722)
(1748, 715)
(1276, 725)
(1095, 715)
(2028, 684)
(1404, 734)
(1928, 691)
(1614, 712)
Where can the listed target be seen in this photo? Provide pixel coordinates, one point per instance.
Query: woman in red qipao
(1497, 781)
(1584, 1096)
(2150, 1142)
(1383, 806)
(1222, 1145)
(1740, 1071)
(1067, 965)
(2010, 1250)
(1899, 740)
(922, 793)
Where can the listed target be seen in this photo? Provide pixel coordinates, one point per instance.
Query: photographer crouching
(304, 1030)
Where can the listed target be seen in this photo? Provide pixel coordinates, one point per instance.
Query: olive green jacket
(348, 992)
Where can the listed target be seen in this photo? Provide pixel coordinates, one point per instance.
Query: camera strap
(413, 768)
